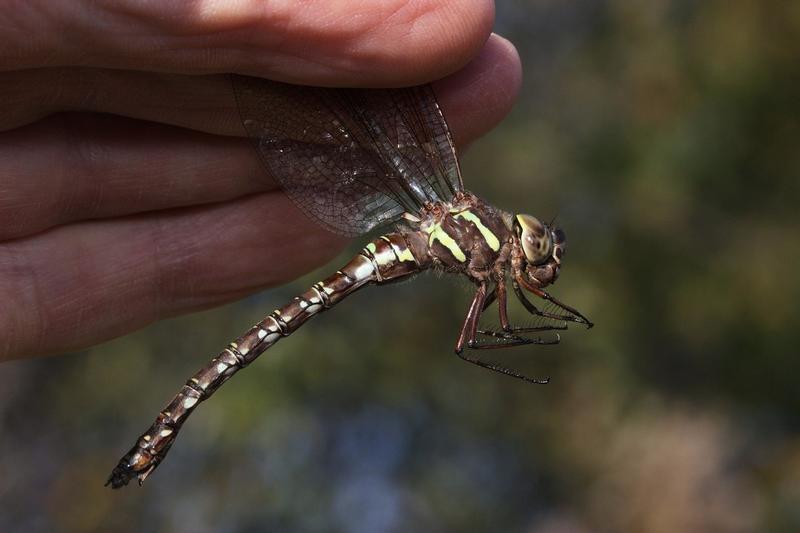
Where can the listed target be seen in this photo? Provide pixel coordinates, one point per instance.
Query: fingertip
(476, 98)
(443, 38)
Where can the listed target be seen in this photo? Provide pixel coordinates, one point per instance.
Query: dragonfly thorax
(464, 235)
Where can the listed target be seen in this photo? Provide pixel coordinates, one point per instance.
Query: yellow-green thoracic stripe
(490, 238)
(437, 233)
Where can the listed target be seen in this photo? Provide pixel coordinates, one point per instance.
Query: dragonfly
(355, 160)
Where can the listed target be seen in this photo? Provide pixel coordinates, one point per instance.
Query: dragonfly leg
(511, 339)
(490, 298)
(574, 316)
(507, 330)
(468, 330)
(502, 304)
(468, 334)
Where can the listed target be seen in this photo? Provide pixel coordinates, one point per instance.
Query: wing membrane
(353, 159)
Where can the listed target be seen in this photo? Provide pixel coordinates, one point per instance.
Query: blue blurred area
(664, 137)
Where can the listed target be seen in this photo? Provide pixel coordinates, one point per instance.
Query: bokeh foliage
(664, 137)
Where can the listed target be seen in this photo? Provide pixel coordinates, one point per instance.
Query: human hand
(127, 193)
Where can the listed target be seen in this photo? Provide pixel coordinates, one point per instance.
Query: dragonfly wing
(352, 159)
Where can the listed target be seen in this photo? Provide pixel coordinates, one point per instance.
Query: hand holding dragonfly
(123, 155)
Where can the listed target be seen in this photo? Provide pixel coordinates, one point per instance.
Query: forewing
(353, 159)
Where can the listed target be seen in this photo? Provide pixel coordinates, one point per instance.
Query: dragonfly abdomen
(385, 259)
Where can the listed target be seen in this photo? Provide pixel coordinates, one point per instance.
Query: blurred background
(664, 136)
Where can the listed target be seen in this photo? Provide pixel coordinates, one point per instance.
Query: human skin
(128, 192)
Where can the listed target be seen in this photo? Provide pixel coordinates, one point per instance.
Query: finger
(73, 167)
(375, 43)
(84, 283)
(76, 167)
(206, 103)
(475, 99)
(203, 103)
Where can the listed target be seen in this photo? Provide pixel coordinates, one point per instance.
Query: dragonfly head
(543, 248)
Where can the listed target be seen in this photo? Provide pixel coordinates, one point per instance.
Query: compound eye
(536, 239)
(559, 245)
